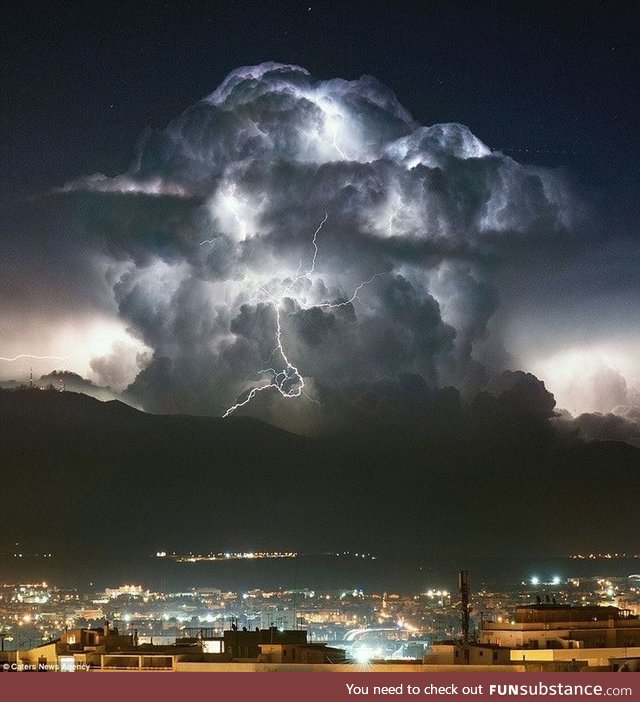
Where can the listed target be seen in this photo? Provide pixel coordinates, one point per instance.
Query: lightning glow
(593, 378)
(98, 349)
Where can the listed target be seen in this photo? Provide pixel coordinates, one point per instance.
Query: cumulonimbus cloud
(211, 232)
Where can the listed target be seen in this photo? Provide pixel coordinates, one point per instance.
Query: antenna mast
(463, 585)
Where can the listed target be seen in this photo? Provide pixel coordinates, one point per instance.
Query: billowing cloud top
(311, 230)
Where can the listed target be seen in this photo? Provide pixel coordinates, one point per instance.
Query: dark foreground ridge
(91, 477)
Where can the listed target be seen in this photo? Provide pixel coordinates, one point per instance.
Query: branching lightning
(299, 276)
(287, 380)
(333, 305)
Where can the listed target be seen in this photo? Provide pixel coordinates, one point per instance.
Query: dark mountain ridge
(89, 477)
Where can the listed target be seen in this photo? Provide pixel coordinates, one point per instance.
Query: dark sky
(541, 81)
(547, 84)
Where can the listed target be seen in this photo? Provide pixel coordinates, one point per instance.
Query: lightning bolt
(338, 149)
(332, 131)
(287, 380)
(240, 221)
(300, 276)
(392, 214)
(31, 355)
(333, 305)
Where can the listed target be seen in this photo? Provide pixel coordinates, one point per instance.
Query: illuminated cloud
(584, 380)
(123, 184)
(207, 233)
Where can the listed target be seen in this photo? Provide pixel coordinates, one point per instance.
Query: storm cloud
(323, 208)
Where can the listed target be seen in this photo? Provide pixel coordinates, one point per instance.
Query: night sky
(506, 239)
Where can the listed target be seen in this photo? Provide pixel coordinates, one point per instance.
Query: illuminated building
(567, 637)
(556, 626)
(106, 649)
(461, 653)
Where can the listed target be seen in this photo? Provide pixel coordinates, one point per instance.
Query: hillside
(82, 475)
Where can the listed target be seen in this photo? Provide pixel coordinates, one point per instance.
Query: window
(212, 646)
